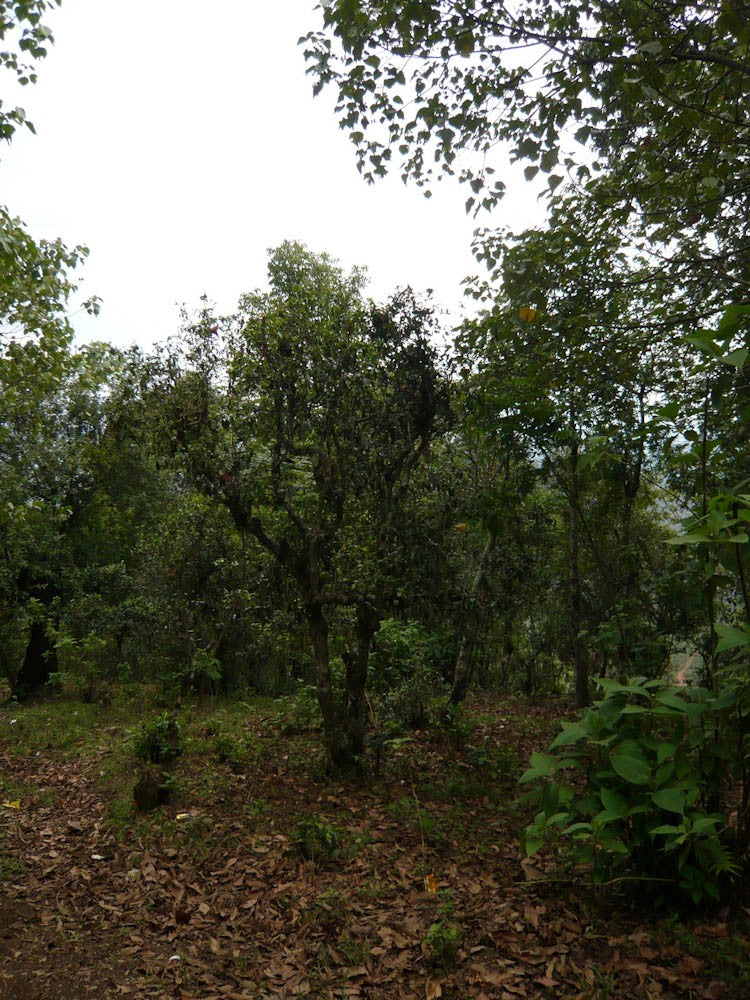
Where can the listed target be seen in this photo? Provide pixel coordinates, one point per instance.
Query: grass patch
(11, 869)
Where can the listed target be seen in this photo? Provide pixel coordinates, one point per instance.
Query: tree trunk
(318, 626)
(368, 622)
(580, 659)
(464, 668)
(39, 662)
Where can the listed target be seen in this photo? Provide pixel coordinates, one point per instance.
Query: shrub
(317, 840)
(160, 740)
(633, 789)
(405, 670)
(441, 941)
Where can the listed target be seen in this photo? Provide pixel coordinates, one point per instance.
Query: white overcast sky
(179, 140)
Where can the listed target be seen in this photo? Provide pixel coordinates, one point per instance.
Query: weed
(317, 840)
(726, 957)
(11, 868)
(401, 809)
(374, 890)
(329, 913)
(305, 713)
(355, 950)
(257, 808)
(456, 725)
(232, 751)
(441, 944)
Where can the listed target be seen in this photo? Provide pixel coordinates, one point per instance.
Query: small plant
(456, 725)
(230, 750)
(441, 944)
(317, 840)
(160, 740)
(633, 789)
(441, 941)
(406, 671)
(11, 869)
(204, 673)
(305, 714)
(329, 912)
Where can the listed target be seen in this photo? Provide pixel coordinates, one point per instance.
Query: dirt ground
(417, 888)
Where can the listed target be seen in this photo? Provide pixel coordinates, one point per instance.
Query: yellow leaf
(462, 527)
(16, 804)
(527, 313)
(430, 883)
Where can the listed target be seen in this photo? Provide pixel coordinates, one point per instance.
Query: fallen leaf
(432, 989)
(531, 916)
(715, 990)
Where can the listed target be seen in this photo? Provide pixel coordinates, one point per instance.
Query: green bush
(160, 740)
(317, 840)
(405, 668)
(442, 938)
(633, 789)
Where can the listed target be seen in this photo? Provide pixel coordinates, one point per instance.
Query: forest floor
(416, 887)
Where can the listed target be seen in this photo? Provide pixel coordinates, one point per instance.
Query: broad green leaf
(664, 750)
(735, 358)
(613, 802)
(732, 638)
(532, 845)
(672, 700)
(671, 799)
(633, 769)
(667, 830)
(706, 824)
(572, 733)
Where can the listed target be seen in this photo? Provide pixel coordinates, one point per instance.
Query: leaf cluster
(634, 788)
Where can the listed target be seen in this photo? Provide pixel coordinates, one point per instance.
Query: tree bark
(368, 622)
(580, 659)
(464, 668)
(39, 662)
(318, 626)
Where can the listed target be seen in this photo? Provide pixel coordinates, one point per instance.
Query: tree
(658, 93)
(30, 37)
(567, 364)
(334, 404)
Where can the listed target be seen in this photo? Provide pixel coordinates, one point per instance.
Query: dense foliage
(317, 493)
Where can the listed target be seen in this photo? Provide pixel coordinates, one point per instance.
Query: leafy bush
(304, 714)
(405, 669)
(634, 788)
(441, 941)
(237, 753)
(160, 740)
(317, 840)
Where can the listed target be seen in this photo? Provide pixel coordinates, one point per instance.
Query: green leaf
(672, 700)
(572, 733)
(706, 824)
(635, 770)
(664, 750)
(732, 638)
(736, 358)
(671, 799)
(614, 803)
(532, 845)
(667, 830)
